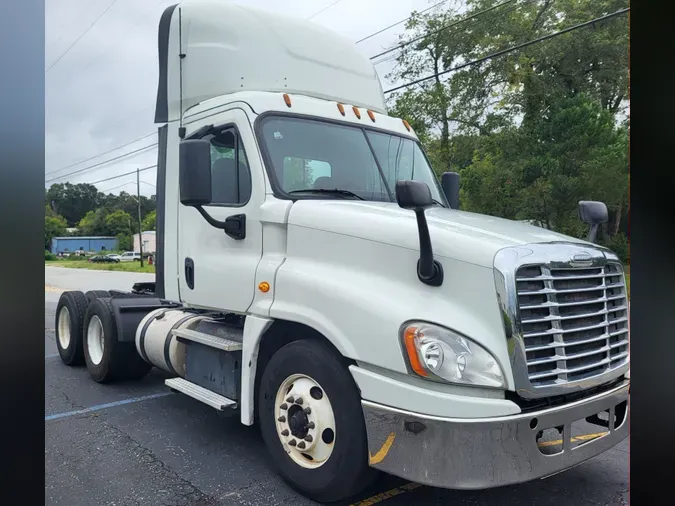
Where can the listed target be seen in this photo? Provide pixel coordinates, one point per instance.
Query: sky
(101, 93)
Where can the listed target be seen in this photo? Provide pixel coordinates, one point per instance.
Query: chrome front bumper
(487, 452)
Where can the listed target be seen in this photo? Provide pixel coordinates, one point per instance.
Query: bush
(619, 245)
(49, 256)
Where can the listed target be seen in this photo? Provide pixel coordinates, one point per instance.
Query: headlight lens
(439, 353)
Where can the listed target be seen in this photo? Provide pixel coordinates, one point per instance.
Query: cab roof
(221, 48)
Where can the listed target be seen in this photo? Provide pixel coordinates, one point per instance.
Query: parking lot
(139, 444)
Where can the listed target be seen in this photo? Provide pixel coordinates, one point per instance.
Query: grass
(83, 264)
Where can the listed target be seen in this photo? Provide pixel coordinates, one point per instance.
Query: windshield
(309, 155)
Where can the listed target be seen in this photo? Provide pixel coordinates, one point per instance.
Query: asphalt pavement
(138, 444)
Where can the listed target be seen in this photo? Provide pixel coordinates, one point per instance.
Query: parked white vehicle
(129, 256)
(312, 274)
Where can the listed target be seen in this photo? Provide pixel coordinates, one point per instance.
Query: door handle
(190, 273)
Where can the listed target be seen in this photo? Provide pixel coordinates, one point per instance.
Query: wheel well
(280, 334)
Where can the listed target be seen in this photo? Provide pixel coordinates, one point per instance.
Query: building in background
(87, 244)
(149, 242)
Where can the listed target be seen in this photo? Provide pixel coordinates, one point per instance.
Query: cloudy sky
(100, 94)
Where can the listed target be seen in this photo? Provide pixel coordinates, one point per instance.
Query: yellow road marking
(382, 452)
(584, 437)
(388, 494)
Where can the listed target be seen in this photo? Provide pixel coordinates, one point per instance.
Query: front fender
(358, 293)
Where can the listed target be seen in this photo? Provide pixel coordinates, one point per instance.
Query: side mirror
(416, 195)
(413, 195)
(195, 172)
(594, 214)
(450, 185)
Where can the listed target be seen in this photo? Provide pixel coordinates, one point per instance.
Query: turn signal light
(409, 340)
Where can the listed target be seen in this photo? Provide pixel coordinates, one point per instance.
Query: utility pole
(140, 223)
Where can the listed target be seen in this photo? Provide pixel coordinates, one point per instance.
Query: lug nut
(301, 445)
(310, 425)
(309, 438)
(307, 411)
(283, 406)
(281, 419)
(290, 399)
(284, 432)
(292, 442)
(299, 401)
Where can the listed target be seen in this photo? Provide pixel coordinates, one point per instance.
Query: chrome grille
(574, 322)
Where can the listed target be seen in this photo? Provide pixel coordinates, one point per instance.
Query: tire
(70, 313)
(95, 294)
(345, 472)
(107, 359)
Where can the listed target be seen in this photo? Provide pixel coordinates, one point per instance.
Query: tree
(531, 132)
(55, 226)
(118, 222)
(94, 223)
(73, 201)
(150, 221)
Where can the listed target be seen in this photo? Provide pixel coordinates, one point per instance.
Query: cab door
(217, 268)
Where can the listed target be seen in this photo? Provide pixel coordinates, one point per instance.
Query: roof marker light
(357, 112)
(372, 115)
(406, 125)
(287, 99)
(341, 108)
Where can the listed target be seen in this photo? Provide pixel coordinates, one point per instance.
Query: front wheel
(312, 422)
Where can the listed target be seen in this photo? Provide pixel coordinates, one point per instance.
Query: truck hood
(460, 235)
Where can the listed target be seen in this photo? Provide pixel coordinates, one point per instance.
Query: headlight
(441, 354)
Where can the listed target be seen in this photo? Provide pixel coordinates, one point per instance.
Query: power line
(125, 174)
(397, 23)
(459, 21)
(511, 49)
(81, 35)
(101, 154)
(126, 184)
(90, 167)
(324, 9)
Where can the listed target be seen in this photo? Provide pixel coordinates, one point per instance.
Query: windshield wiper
(335, 191)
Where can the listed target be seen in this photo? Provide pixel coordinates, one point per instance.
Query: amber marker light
(406, 125)
(409, 339)
(264, 287)
(287, 99)
(341, 108)
(357, 112)
(371, 114)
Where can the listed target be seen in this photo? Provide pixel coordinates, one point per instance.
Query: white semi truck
(314, 275)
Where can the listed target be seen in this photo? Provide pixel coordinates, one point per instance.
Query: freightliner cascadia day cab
(314, 278)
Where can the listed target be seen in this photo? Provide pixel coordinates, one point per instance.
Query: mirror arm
(592, 233)
(213, 222)
(429, 271)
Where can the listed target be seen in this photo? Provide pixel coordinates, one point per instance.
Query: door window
(230, 173)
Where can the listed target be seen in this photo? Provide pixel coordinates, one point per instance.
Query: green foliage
(150, 221)
(118, 222)
(619, 245)
(75, 201)
(125, 242)
(94, 223)
(55, 226)
(532, 132)
(49, 256)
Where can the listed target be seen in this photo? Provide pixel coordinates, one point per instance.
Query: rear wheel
(95, 294)
(312, 422)
(70, 313)
(108, 359)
